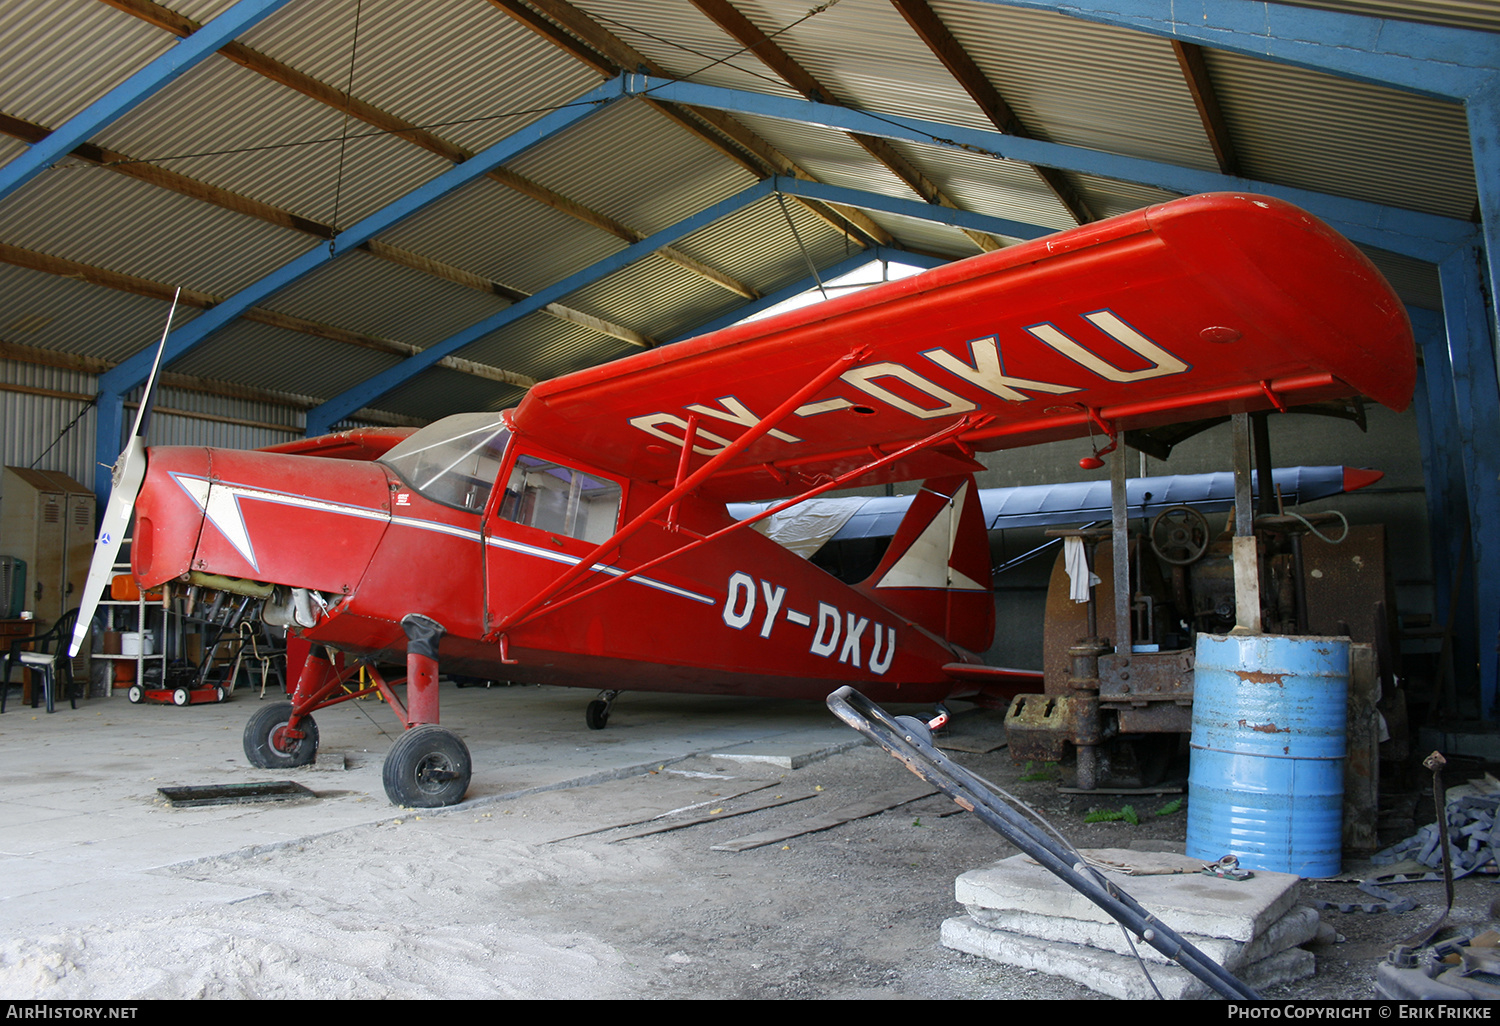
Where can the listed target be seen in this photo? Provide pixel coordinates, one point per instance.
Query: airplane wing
(1204, 306)
(357, 444)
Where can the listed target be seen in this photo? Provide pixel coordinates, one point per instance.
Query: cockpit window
(453, 461)
(552, 497)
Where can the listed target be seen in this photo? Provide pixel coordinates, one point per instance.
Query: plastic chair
(51, 649)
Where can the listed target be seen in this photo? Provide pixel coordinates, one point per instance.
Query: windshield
(453, 461)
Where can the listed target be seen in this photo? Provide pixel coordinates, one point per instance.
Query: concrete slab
(1297, 927)
(784, 755)
(1189, 904)
(1109, 973)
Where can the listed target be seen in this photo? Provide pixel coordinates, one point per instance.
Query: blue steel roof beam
(1424, 236)
(134, 370)
(931, 212)
(139, 87)
(1434, 60)
(321, 419)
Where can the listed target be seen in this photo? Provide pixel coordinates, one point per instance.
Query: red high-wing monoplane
(582, 538)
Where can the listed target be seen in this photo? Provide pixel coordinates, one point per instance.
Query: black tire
(427, 768)
(135, 694)
(268, 748)
(597, 714)
(181, 696)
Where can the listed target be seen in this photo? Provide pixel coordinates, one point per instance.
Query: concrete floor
(81, 824)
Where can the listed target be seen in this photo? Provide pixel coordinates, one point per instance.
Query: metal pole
(1246, 559)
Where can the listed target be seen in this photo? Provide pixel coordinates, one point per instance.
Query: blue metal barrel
(1267, 777)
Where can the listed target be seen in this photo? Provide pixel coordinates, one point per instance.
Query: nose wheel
(597, 713)
(428, 767)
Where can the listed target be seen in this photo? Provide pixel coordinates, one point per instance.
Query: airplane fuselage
(370, 546)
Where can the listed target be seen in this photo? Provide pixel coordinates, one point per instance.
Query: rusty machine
(1118, 668)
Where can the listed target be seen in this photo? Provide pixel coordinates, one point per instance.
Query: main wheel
(267, 744)
(596, 714)
(428, 767)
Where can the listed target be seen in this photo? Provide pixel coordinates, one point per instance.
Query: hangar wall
(37, 403)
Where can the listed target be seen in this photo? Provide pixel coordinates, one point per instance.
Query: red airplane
(582, 538)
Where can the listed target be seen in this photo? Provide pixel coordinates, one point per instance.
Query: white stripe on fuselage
(225, 515)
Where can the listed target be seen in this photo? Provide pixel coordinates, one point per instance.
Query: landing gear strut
(597, 713)
(428, 766)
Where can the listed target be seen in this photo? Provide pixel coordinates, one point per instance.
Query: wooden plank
(711, 817)
(880, 803)
(1206, 99)
(715, 800)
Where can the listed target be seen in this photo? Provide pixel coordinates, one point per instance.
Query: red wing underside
(1208, 305)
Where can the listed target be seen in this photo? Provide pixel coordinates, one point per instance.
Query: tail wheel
(596, 715)
(428, 767)
(268, 743)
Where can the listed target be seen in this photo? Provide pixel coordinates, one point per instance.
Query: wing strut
(686, 485)
(949, 433)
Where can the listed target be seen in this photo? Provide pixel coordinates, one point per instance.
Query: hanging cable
(338, 186)
(796, 235)
(86, 407)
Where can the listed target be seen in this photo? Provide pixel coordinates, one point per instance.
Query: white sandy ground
(502, 898)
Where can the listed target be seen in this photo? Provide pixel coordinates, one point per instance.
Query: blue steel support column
(114, 383)
(1484, 140)
(109, 435)
(1447, 498)
(182, 55)
(1477, 403)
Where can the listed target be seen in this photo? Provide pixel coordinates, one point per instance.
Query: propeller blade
(129, 472)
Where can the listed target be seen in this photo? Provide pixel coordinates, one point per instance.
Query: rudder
(936, 572)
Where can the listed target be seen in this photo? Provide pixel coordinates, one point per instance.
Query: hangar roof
(537, 186)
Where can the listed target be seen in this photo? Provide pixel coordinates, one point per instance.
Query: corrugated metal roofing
(1472, 14)
(266, 168)
(63, 39)
(1280, 119)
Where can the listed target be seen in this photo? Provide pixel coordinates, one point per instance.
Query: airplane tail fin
(936, 572)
